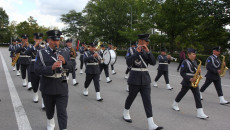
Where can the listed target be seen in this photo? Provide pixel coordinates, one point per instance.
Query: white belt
(139, 69)
(190, 74)
(72, 58)
(163, 63)
(32, 59)
(91, 63)
(54, 76)
(24, 56)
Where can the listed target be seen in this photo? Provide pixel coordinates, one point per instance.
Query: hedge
(199, 56)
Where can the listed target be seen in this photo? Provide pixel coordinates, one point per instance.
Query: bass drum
(110, 57)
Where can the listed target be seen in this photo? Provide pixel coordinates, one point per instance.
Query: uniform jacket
(187, 67)
(139, 77)
(213, 64)
(12, 49)
(51, 86)
(22, 50)
(32, 52)
(91, 69)
(163, 62)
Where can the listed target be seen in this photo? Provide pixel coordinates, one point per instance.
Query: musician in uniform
(19, 41)
(91, 58)
(130, 51)
(24, 61)
(139, 79)
(164, 60)
(32, 51)
(12, 49)
(82, 50)
(188, 69)
(52, 63)
(103, 66)
(213, 65)
(110, 47)
(73, 56)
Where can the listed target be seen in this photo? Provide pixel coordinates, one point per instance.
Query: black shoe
(113, 73)
(109, 81)
(159, 128)
(76, 84)
(30, 88)
(128, 120)
(23, 86)
(35, 101)
(44, 108)
(99, 100)
(224, 103)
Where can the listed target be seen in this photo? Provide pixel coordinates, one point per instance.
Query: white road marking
(20, 114)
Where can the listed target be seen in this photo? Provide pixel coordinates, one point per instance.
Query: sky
(46, 12)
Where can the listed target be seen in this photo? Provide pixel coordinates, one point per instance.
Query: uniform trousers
(160, 73)
(105, 68)
(217, 84)
(145, 91)
(195, 92)
(17, 66)
(35, 80)
(127, 70)
(81, 63)
(61, 102)
(95, 78)
(73, 71)
(24, 68)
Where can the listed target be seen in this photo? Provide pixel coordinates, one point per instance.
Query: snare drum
(110, 57)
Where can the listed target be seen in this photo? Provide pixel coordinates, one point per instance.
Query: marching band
(48, 65)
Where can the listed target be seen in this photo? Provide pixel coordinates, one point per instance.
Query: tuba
(197, 76)
(223, 68)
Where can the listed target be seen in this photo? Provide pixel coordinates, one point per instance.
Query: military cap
(144, 37)
(38, 35)
(54, 34)
(24, 36)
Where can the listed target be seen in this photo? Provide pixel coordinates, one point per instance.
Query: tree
(74, 21)
(4, 21)
(30, 27)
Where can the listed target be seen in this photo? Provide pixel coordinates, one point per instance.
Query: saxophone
(197, 76)
(15, 59)
(223, 68)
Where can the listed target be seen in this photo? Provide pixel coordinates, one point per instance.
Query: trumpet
(172, 58)
(42, 44)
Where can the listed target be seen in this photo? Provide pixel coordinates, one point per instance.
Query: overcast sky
(46, 12)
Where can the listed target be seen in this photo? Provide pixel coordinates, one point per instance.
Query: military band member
(73, 56)
(92, 70)
(24, 61)
(130, 51)
(103, 66)
(32, 51)
(51, 63)
(188, 69)
(19, 41)
(110, 47)
(12, 49)
(213, 65)
(164, 60)
(139, 79)
(82, 50)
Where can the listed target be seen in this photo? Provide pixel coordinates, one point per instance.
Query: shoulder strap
(41, 58)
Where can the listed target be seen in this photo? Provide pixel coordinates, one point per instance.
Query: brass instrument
(173, 58)
(99, 58)
(223, 68)
(42, 44)
(15, 59)
(197, 76)
(74, 52)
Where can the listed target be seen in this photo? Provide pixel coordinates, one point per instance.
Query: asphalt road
(85, 113)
